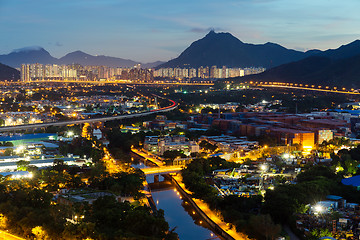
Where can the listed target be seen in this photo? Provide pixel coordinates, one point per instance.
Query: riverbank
(222, 228)
(178, 211)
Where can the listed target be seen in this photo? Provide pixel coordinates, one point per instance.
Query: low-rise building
(159, 145)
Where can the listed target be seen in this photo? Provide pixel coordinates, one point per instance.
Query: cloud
(205, 30)
(59, 44)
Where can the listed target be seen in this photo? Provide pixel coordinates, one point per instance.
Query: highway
(90, 120)
(128, 82)
(305, 87)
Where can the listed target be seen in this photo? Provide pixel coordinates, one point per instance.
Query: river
(178, 213)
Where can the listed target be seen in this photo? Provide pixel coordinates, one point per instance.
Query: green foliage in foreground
(313, 185)
(30, 212)
(242, 212)
(281, 204)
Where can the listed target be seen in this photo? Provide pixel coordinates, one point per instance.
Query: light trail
(127, 82)
(305, 87)
(91, 120)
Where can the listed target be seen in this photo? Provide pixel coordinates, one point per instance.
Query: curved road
(91, 120)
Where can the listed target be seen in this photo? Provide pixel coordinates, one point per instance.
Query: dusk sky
(144, 30)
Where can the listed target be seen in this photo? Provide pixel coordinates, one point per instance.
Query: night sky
(149, 30)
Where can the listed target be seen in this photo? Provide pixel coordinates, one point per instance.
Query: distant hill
(8, 73)
(223, 49)
(89, 60)
(27, 55)
(344, 51)
(40, 55)
(152, 64)
(318, 70)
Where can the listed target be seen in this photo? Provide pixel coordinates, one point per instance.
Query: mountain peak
(28, 49)
(224, 49)
(212, 32)
(78, 52)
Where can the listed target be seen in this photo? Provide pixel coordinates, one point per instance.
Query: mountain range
(220, 49)
(223, 49)
(40, 55)
(332, 67)
(319, 70)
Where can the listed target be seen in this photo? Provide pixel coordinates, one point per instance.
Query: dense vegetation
(82, 147)
(292, 100)
(281, 204)
(28, 210)
(243, 213)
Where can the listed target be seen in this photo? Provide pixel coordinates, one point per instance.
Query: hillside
(40, 55)
(8, 73)
(319, 70)
(223, 49)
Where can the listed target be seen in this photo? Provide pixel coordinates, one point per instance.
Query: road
(128, 82)
(305, 87)
(212, 214)
(7, 236)
(163, 169)
(150, 157)
(91, 120)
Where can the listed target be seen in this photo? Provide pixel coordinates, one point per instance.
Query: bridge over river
(162, 169)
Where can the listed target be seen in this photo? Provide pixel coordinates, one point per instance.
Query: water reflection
(188, 225)
(178, 213)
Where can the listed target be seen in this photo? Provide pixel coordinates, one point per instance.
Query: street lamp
(263, 168)
(319, 209)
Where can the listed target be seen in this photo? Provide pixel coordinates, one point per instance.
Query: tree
(3, 221)
(319, 233)
(7, 144)
(22, 165)
(262, 227)
(172, 154)
(39, 233)
(207, 146)
(9, 152)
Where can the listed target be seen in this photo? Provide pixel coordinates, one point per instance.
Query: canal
(178, 213)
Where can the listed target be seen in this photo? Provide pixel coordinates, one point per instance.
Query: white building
(161, 144)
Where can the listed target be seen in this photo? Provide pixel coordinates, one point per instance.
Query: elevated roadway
(90, 120)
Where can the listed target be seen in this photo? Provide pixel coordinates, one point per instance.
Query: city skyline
(147, 32)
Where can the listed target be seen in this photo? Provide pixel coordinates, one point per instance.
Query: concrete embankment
(215, 227)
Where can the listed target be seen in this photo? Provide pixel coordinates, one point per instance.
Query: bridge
(90, 120)
(163, 169)
(158, 161)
